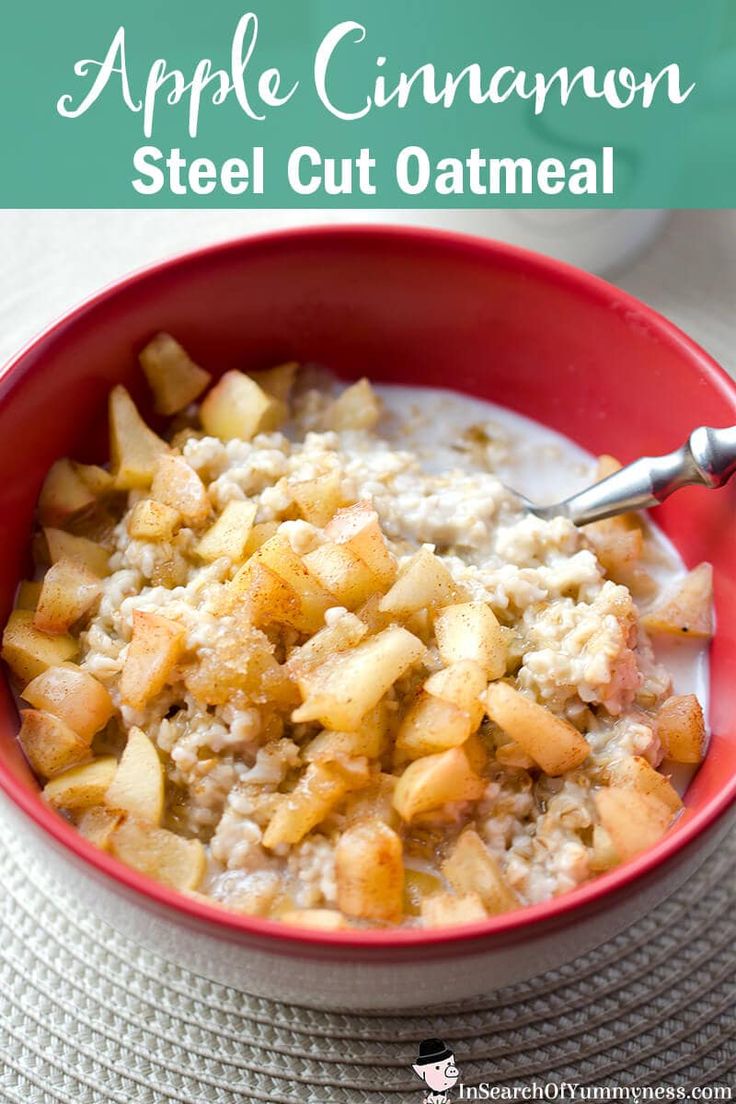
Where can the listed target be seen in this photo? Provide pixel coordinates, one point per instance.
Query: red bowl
(405, 306)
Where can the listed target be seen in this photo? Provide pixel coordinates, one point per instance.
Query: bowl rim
(275, 934)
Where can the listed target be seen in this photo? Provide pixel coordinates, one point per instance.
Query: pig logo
(435, 1065)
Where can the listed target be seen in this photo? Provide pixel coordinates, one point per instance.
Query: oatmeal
(309, 657)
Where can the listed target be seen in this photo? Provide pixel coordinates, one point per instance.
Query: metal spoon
(708, 459)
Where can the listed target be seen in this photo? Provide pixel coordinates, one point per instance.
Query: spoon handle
(707, 458)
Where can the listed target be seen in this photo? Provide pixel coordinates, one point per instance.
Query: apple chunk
(237, 408)
(79, 550)
(470, 630)
(369, 870)
(358, 407)
(423, 583)
(461, 683)
(83, 786)
(431, 725)
(138, 785)
(680, 728)
(314, 599)
(688, 611)
(134, 447)
(552, 742)
(230, 533)
(442, 910)
(638, 774)
(162, 855)
(342, 690)
(319, 498)
(357, 527)
(471, 868)
(50, 746)
(28, 651)
(152, 521)
(68, 591)
(176, 484)
(174, 378)
(436, 780)
(77, 697)
(342, 573)
(633, 820)
(320, 788)
(152, 655)
(97, 824)
(64, 495)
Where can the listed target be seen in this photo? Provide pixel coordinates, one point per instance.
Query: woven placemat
(87, 1017)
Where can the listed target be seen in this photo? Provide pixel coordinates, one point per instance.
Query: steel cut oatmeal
(308, 656)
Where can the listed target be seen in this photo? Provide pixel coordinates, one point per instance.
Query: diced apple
(229, 534)
(369, 740)
(174, 378)
(603, 855)
(344, 633)
(69, 590)
(170, 859)
(237, 408)
(688, 611)
(319, 498)
(269, 598)
(442, 910)
(80, 550)
(320, 788)
(357, 527)
(342, 573)
(64, 495)
(28, 651)
(138, 785)
(277, 381)
(373, 802)
(511, 755)
(154, 650)
(357, 407)
(49, 744)
(431, 725)
(176, 484)
(97, 824)
(637, 773)
(150, 520)
(471, 868)
(259, 534)
(423, 583)
(318, 919)
(619, 549)
(314, 599)
(633, 820)
(461, 683)
(436, 780)
(99, 480)
(77, 697)
(28, 594)
(369, 870)
(134, 448)
(470, 630)
(551, 741)
(83, 786)
(341, 691)
(680, 728)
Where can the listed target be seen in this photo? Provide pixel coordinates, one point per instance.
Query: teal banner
(370, 103)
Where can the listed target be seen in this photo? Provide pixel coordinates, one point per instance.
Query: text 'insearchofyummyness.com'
(569, 1090)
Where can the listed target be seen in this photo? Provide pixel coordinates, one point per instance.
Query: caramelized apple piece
(28, 651)
(134, 448)
(64, 495)
(237, 407)
(174, 378)
(81, 787)
(138, 785)
(680, 728)
(49, 744)
(154, 650)
(436, 780)
(471, 868)
(176, 484)
(552, 742)
(69, 590)
(77, 697)
(369, 869)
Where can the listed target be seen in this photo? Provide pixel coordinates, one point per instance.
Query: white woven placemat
(88, 1018)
